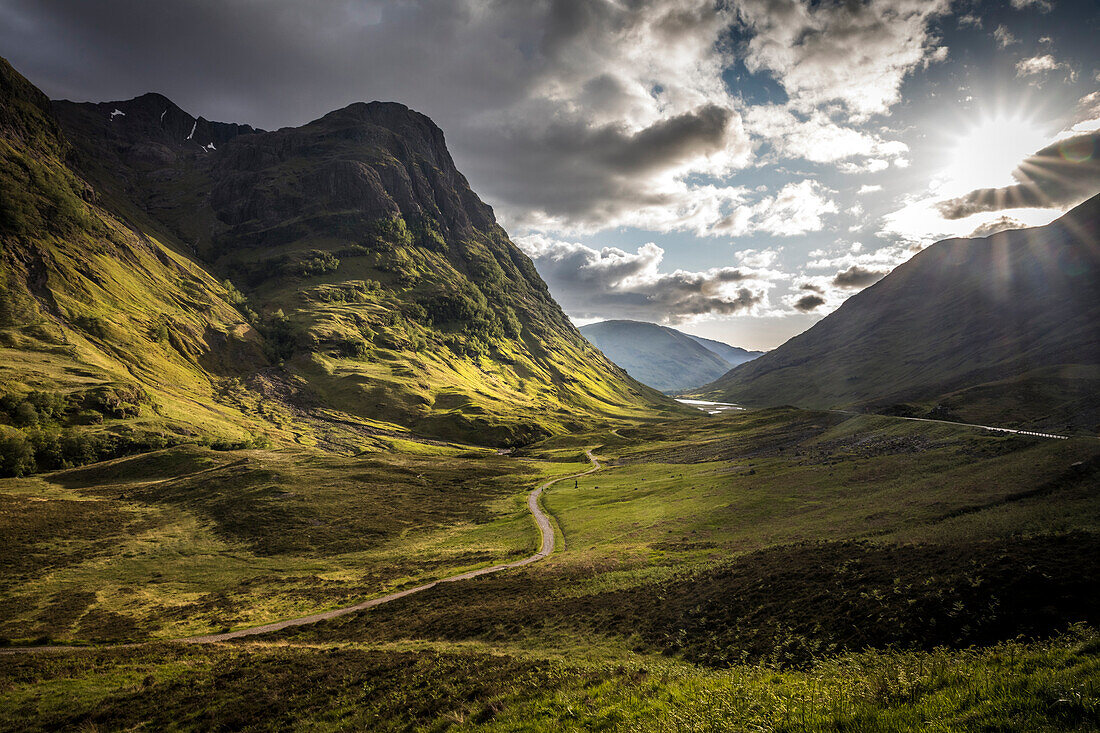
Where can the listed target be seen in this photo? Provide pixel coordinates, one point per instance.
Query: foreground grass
(1015, 686)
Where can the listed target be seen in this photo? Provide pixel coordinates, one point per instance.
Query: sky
(734, 169)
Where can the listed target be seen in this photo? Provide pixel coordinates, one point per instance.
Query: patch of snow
(192, 133)
(209, 146)
(116, 113)
(163, 113)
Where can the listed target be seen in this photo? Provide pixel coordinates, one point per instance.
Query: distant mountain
(167, 278)
(999, 330)
(662, 357)
(733, 355)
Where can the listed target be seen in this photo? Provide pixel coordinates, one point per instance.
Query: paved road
(965, 425)
(546, 548)
(715, 408)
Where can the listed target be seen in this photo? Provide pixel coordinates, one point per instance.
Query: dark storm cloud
(1059, 175)
(808, 303)
(576, 111)
(856, 277)
(694, 133)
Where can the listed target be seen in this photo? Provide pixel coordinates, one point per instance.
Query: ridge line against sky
(737, 169)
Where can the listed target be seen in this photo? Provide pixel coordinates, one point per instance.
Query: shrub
(354, 348)
(50, 405)
(158, 331)
(89, 417)
(16, 455)
(282, 339)
(91, 325)
(316, 262)
(118, 402)
(25, 414)
(233, 296)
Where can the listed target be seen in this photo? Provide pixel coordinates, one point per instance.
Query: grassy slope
(1036, 687)
(190, 540)
(693, 543)
(89, 305)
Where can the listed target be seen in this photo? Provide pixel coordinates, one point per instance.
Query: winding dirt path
(546, 530)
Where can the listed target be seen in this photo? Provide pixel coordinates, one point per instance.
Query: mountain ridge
(663, 357)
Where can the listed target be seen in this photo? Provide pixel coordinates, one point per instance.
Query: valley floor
(766, 570)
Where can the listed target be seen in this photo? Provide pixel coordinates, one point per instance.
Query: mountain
(733, 355)
(662, 357)
(999, 330)
(110, 341)
(166, 278)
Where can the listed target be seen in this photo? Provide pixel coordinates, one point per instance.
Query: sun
(985, 154)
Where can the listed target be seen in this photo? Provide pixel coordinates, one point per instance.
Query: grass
(778, 569)
(788, 535)
(188, 540)
(1037, 686)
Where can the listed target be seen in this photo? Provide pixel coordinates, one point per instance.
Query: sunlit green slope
(374, 272)
(109, 341)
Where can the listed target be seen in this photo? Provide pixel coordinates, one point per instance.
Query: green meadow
(189, 540)
(769, 570)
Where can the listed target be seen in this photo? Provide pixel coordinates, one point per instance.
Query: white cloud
(1041, 65)
(1059, 175)
(817, 138)
(853, 53)
(1087, 115)
(882, 259)
(1043, 6)
(822, 294)
(613, 283)
(1004, 37)
(797, 208)
(871, 165)
(1000, 224)
(869, 188)
(921, 222)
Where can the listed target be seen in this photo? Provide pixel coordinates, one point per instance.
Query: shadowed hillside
(999, 330)
(375, 273)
